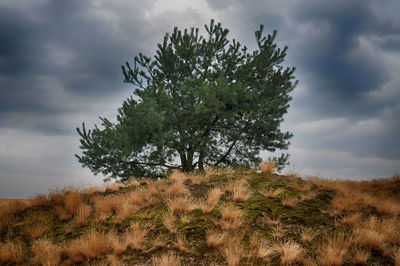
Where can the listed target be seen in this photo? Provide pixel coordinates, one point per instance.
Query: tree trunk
(201, 163)
(189, 161)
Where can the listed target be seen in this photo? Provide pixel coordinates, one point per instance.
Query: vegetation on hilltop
(220, 217)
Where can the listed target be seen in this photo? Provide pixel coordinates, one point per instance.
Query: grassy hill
(221, 217)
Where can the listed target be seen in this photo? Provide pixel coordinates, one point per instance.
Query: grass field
(220, 217)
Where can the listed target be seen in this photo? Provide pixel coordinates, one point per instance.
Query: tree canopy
(200, 101)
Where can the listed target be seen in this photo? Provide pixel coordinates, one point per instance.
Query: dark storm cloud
(64, 46)
(341, 75)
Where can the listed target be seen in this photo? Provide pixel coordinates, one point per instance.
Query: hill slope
(217, 218)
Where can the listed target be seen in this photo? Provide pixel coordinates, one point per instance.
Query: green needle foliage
(202, 100)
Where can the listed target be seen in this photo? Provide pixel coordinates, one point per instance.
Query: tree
(201, 101)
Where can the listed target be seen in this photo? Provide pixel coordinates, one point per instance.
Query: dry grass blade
(11, 252)
(351, 219)
(241, 191)
(233, 250)
(167, 259)
(361, 257)
(46, 252)
(268, 167)
(72, 201)
(289, 202)
(182, 205)
(169, 220)
(82, 214)
(308, 195)
(181, 243)
(178, 176)
(177, 189)
(307, 235)
(290, 252)
(214, 195)
(396, 257)
(271, 193)
(215, 239)
(334, 250)
(266, 250)
(231, 218)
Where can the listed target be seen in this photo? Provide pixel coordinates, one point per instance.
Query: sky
(60, 66)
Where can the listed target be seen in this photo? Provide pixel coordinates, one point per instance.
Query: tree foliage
(201, 100)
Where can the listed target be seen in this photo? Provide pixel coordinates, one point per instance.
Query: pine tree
(201, 101)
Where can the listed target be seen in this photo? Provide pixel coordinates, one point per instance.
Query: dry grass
(186, 219)
(82, 214)
(178, 176)
(169, 220)
(106, 204)
(289, 202)
(307, 235)
(290, 252)
(11, 252)
(46, 252)
(232, 218)
(213, 197)
(266, 250)
(271, 193)
(369, 234)
(62, 213)
(396, 257)
(181, 205)
(361, 257)
(268, 167)
(308, 195)
(196, 179)
(210, 171)
(351, 219)
(278, 231)
(334, 249)
(159, 242)
(124, 211)
(39, 201)
(177, 189)
(135, 237)
(233, 250)
(90, 246)
(36, 225)
(388, 206)
(166, 259)
(181, 243)
(215, 239)
(72, 201)
(240, 191)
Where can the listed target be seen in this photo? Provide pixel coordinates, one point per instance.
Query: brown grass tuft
(240, 191)
(289, 202)
(361, 257)
(166, 259)
(231, 218)
(351, 219)
(213, 197)
(268, 167)
(62, 213)
(396, 257)
(271, 193)
(89, 246)
(39, 201)
(135, 237)
(72, 201)
(290, 252)
(334, 250)
(178, 176)
(233, 250)
(36, 225)
(177, 189)
(215, 239)
(181, 243)
(82, 214)
(124, 211)
(11, 252)
(307, 235)
(169, 220)
(46, 252)
(181, 205)
(308, 195)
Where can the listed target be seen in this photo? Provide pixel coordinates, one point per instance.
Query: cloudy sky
(60, 65)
